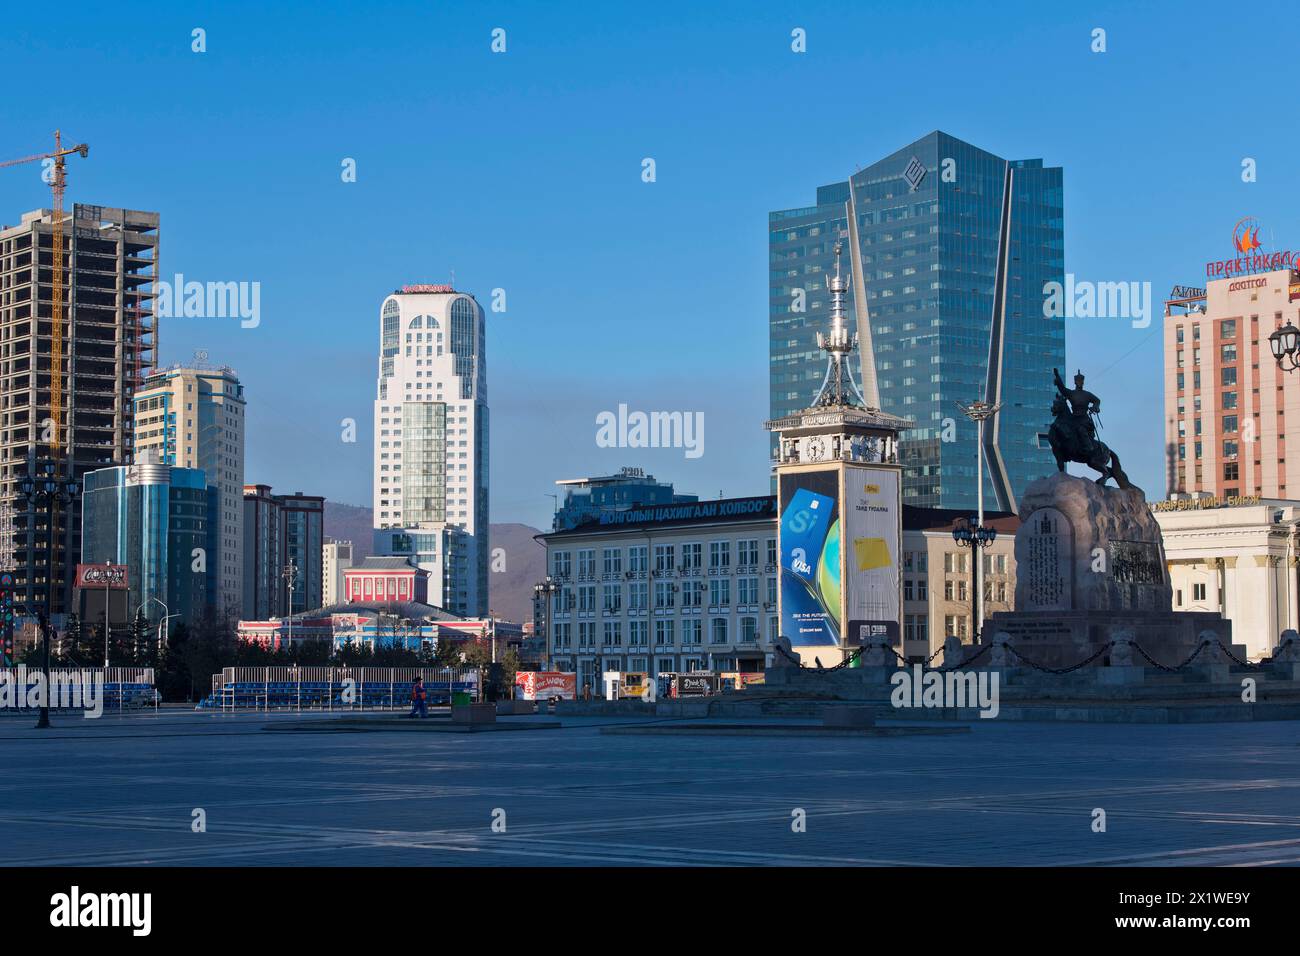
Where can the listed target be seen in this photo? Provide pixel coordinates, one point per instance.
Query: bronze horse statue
(1073, 435)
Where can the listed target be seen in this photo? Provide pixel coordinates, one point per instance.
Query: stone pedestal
(1090, 570)
(1122, 676)
(485, 713)
(860, 717)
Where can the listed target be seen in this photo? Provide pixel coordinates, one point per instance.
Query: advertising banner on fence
(546, 685)
(810, 557)
(871, 520)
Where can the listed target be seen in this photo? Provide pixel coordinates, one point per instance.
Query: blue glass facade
(152, 521)
(630, 488)
(929, 257)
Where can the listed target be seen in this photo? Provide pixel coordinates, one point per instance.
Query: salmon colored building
(1230, 411)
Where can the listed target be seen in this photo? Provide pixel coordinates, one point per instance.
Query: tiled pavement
(123, 790)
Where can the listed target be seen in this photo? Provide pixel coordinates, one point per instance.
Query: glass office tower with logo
(937, 224)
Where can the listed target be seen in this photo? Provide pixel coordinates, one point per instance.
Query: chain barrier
(1033, 665)
(967, 661)
(1060, 670)
(853, 656)
(1235, 659)
(1155, 663)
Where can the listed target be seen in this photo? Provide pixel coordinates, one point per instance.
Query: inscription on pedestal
(1044, 567)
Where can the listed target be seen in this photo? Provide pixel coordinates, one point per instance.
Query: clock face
(816, 448)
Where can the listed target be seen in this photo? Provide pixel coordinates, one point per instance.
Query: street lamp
(977, 538)
(1285, 343)
(290, 575)
(167, 616)
(543, 592)
(979, 412)
(44, 485)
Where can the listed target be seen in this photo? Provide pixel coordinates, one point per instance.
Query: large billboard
(810, 557)
(871, 530)
(112, 576)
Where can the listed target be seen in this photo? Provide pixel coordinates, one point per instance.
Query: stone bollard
(954, 651)
(878, 654)
(1285, 663)
(1124, 669)
(1001, 657)
(876, 663)
(1288, 647)
(1211, 662)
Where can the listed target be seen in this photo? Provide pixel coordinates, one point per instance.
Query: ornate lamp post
(45, 485)
(977, 538)
(979, 412)
(290, 574)
(1285, 344)
(543, 592)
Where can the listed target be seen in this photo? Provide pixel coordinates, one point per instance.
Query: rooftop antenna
(838, 388)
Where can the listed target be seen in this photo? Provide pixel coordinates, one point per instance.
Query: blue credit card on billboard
(805, 527)
(803, 532)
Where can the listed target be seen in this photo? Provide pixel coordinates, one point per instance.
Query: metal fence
(122, 688)
(334, 688)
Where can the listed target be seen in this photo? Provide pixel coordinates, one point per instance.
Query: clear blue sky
(522, 171)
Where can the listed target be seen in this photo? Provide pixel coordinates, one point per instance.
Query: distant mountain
(523, 563)
(510, 590)
(350, 523)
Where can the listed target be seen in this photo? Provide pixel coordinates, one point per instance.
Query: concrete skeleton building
(192, 416)
(431, 442)
(110, 262)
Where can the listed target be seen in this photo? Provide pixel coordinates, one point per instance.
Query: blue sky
(522, 171)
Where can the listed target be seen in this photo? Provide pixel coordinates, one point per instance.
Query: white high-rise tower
(431, 441)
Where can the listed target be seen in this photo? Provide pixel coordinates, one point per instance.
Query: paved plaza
(123, 791)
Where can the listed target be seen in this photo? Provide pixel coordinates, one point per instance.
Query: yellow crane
(58, 183)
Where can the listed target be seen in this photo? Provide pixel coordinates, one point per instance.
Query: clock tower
(839, 494)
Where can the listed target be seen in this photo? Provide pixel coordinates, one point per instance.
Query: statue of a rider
(1074, 411)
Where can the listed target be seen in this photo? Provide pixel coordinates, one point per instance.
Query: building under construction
(110, 263)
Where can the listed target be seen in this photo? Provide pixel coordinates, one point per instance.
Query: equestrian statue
(1073, 435)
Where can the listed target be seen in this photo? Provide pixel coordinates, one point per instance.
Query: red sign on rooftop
(425, 287)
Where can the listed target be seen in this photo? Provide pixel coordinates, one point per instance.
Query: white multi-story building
(431, 442)
(686, 586)
(193, 417)
(1237, 556)
(336, 557)
(665, 588)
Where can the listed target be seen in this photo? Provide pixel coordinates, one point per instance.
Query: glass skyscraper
(152, 518)
(931, 243)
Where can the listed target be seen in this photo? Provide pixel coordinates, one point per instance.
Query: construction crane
(58, 183)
